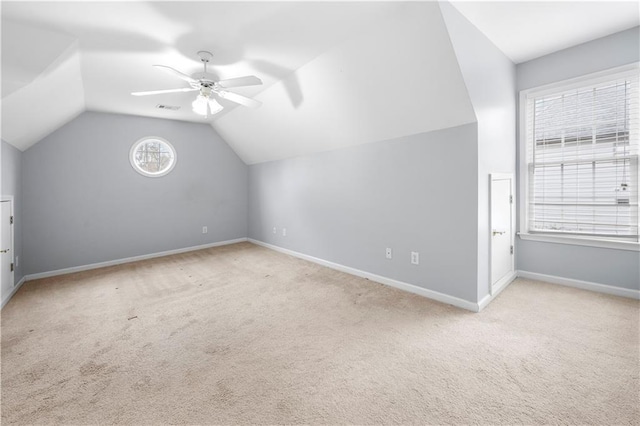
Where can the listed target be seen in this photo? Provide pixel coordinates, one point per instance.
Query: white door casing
(502, 226)
(6, 248)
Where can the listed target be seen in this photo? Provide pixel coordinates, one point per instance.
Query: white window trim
(134, 147)
(523, 185)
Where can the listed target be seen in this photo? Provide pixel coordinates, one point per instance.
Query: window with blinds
(582, 158)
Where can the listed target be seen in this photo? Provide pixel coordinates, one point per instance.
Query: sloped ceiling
(335, 73)
(36, 52)
(118, 42)
(526, 30)
(396, 78)
(40, 92)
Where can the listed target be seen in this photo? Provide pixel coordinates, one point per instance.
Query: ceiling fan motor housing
(205, 77)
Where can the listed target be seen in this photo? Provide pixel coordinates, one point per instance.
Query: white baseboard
(430, 294)
(584, 285)
(499, 288)
(15, 288)
(129, 260)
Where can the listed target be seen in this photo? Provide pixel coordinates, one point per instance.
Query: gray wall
(620, 268)
(490, 78)
(607, 52)
(12, 185)
(417, 193)
(84, 203)
(604, 266)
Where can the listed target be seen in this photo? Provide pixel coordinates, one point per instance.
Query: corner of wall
(490, 79)
(450, 16)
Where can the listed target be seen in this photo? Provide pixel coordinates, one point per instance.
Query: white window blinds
(582, 156)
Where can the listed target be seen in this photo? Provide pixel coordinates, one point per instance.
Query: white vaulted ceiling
(525, 30)
(118, 42)
(335, 73)
(397, 77)
(40, 91)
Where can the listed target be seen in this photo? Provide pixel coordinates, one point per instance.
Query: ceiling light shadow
(288, 77)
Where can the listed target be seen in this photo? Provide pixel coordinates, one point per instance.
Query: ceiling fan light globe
(200, 105)
(214, 106)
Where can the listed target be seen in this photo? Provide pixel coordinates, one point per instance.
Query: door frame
(10, 199)
(495, 289)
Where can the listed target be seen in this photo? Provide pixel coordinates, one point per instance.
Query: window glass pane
(583, 164)
(152, 157)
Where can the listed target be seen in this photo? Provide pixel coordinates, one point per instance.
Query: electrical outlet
(284, 232)
(204, 230)
(275, 231)
(389, 254)
(17, 261)
(415, 258)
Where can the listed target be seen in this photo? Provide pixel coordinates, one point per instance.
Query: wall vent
(171, 107)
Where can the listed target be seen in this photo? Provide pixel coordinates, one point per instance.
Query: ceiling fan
(209, 88)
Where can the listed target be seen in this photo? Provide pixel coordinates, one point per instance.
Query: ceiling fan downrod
(205, 57)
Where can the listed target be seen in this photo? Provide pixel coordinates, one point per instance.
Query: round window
(152, 156)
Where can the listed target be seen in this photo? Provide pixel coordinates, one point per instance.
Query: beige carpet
(242, 334)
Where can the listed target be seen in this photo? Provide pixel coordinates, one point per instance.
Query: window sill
(582, 241)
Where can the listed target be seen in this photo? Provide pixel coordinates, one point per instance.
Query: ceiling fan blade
(239, 99)
(177, 73)
(159, 92)
(250, 80)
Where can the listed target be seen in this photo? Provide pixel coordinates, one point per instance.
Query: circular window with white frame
(152, 156)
